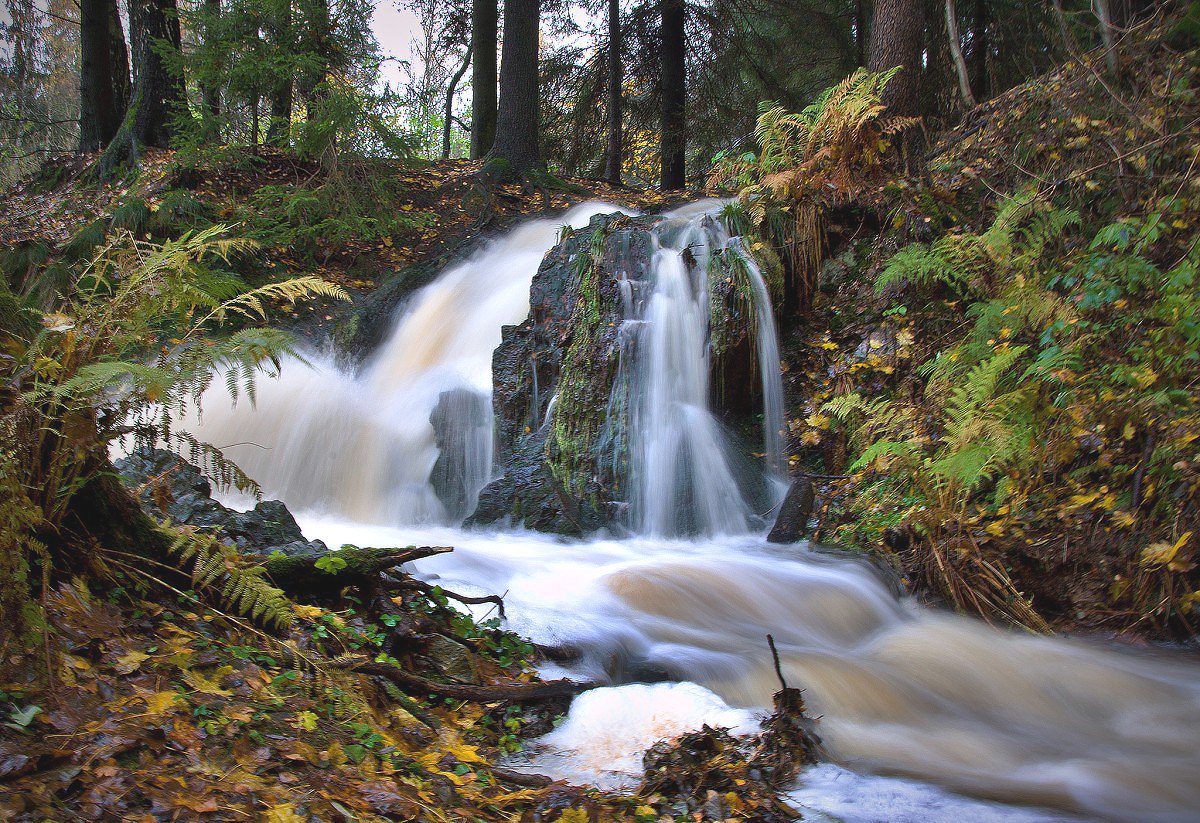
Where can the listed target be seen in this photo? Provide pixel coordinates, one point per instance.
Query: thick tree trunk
(860, 31)
(484, 24)
(897, 32)
(158, 88)
(516, 148)
(613, 158)
(448, 119)
(159, 81)
(279, 130)
(960, 64)
(103, 74)
(673, 145)
(980, 46)
(279, 127)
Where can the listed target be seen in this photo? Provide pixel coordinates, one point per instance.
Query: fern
(133, 215)
(214, 567)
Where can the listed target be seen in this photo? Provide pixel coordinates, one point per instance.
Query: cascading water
(409, 439)
(682, 477)
(900, 690)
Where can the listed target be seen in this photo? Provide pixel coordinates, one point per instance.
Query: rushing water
(934, 701)
(682, 474)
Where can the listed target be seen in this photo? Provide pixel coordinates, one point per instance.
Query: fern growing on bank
(824, 155)
(1065, 402)
(244, 589)
(127, 347)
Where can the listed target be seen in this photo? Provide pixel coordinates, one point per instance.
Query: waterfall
(409, 439)
(682, 470)
(900, 690)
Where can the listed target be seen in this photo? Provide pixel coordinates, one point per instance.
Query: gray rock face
(792, 523)
(559, 444)
(184, 495)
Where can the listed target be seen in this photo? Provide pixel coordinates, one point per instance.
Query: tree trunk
(483, 76)
(1104, 15)
(158, 88)
(1064, 30)
(279, 127)
(279, 130)
(897, 31)
(516, 148)
(103, 74)
(613, 158)
(449, 112)
(860, 31)
(673, 145)
(980, 46)
(212, 89)
(960, 65)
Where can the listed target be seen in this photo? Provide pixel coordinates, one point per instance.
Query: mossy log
(360, 565)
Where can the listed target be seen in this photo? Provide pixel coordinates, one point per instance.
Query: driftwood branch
(508, 692)
(428, 590)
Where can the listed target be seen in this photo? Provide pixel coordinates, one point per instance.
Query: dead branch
(492, 693)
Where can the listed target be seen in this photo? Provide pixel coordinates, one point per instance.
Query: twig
(427, 589)
(775, 659)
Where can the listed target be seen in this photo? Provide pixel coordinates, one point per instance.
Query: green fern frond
(242, 589)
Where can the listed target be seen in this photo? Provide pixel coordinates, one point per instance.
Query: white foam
(607, 731)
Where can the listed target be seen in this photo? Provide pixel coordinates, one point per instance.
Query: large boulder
(169, 485)
(559, 424)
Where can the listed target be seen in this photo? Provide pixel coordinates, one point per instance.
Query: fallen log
(531, 781)
(488, 693)
(356, 566)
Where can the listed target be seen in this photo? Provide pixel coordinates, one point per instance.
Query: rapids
(938, 703)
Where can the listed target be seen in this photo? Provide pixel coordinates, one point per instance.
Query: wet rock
(791, 525)
(559, 436)
(171, 486)
(452, 659)
(461, 420)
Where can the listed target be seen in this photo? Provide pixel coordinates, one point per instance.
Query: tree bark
(484, 25)
(492, 693)
(279, 130)
(613, 158)
(960, 65)
(980, 46)
(516, 149)
(448, 120)
(103, 74)
(158, 87)
(673, 141)
(1104, 15)
(212, 89)
(860, 31)
(282, 94)
(897, 31)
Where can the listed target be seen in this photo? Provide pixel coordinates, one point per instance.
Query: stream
(925, 715)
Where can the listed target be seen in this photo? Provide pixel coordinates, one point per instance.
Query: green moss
(583, 387)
